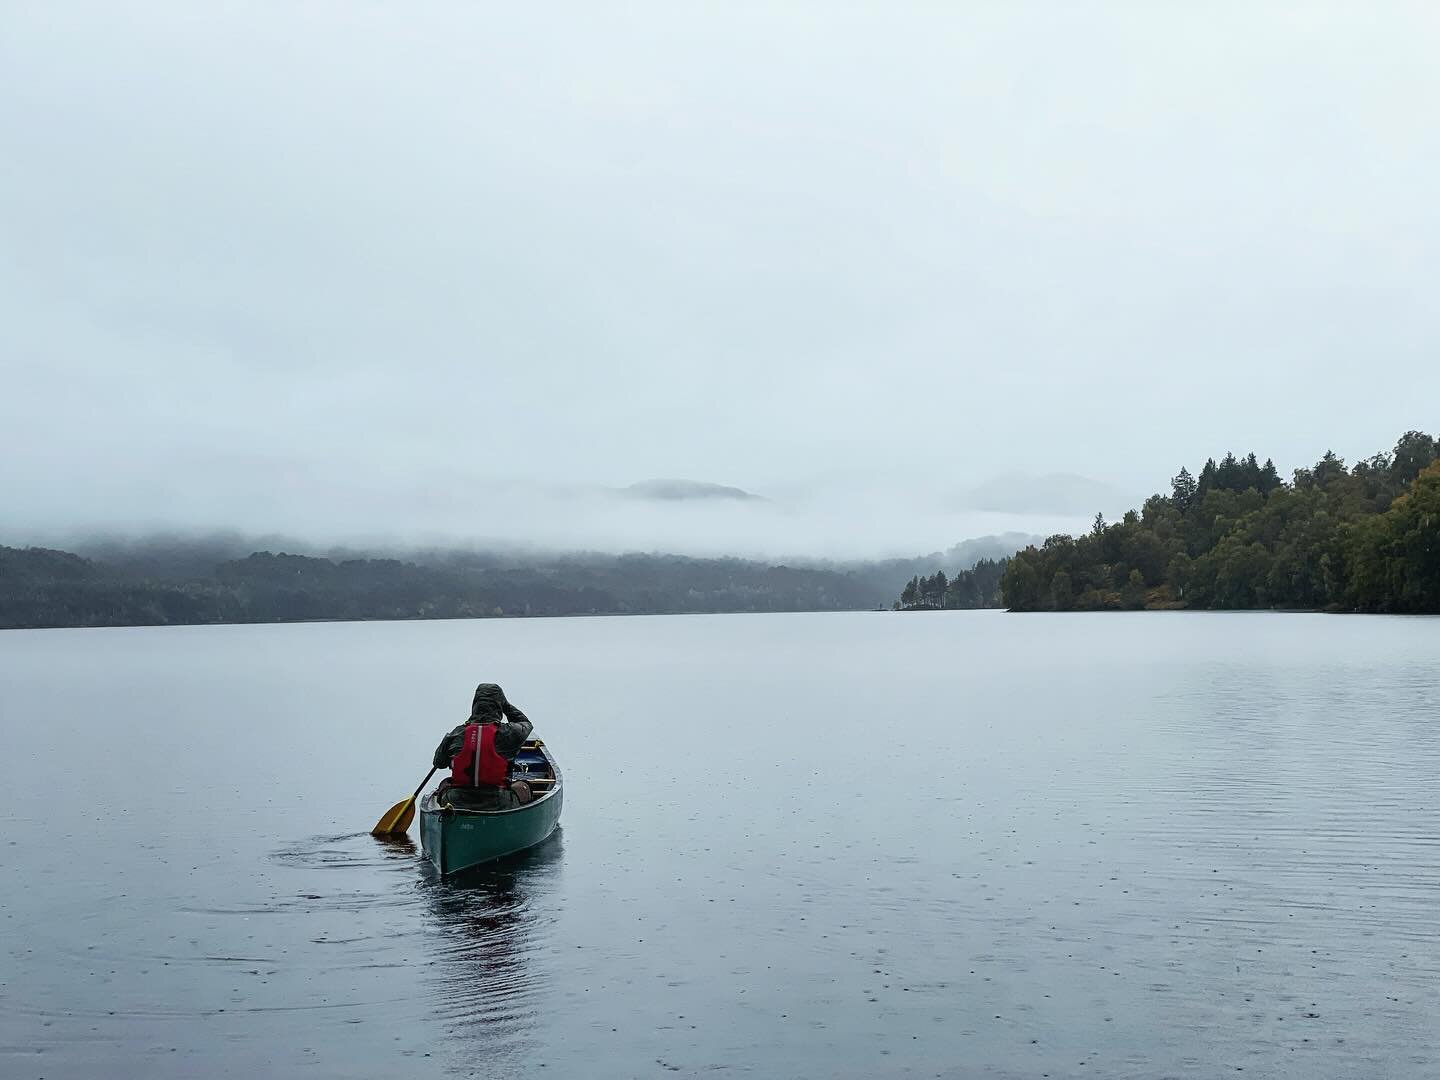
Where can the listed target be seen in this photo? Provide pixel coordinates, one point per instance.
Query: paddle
(397, 819)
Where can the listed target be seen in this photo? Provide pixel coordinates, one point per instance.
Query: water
(868, 845)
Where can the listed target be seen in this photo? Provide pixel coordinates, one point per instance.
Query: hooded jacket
(488, 707)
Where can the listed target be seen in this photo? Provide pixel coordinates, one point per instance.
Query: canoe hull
(456, 839)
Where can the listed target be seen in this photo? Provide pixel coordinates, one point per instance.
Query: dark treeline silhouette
(978, 587)
(176, 580)
(41, 587)
(1364, 538)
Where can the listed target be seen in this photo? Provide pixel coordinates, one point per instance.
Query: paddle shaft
(421, 788)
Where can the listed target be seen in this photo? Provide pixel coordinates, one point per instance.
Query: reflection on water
(488, 940)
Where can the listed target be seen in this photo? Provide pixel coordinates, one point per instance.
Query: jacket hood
(488, 705)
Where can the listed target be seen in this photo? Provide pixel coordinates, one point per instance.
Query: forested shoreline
(181, 581)
(978, 587)
(47, 588)
(1236, 536)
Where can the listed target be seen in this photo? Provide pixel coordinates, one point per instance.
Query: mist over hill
(843, 518)
(228, 577)
(679, 490)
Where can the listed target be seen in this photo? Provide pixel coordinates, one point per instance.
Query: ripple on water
(491, 945)
(1104, 846)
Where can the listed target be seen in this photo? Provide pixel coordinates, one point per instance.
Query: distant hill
(967, 553)
(670, 490)
(41, 587)
(169, 580)
(177, 556)
(889, 576)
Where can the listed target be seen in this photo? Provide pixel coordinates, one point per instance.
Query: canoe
(455, 838)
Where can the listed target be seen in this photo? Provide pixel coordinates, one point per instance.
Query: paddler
(479, 754)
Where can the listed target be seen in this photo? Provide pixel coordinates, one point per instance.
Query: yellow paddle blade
(397, 819)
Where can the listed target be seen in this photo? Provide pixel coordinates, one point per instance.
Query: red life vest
(478, 764)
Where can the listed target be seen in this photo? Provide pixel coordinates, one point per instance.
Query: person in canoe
(479, 754)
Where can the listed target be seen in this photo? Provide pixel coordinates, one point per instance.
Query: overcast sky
(371, 268)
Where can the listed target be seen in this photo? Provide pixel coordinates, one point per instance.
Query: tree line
(42, 587)
(228, 577)
(978, 587)
(1338, 538)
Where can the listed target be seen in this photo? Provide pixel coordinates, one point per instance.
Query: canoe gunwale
(437, 824)
(429, 806)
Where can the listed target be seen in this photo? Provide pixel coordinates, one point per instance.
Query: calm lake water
(870, 845)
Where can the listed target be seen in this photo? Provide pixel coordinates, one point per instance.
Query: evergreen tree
(1183, 489)
(1227, 476)
(1328, 469)
(1269, 478)
(1250, 473)
(1206, 481)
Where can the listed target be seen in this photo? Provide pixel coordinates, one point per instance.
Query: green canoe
(456, 839)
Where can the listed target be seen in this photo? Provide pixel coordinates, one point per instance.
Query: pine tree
(1269, 477)
(1207, 478)
(1182, 490)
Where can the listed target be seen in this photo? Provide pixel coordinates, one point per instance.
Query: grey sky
(410, 268)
